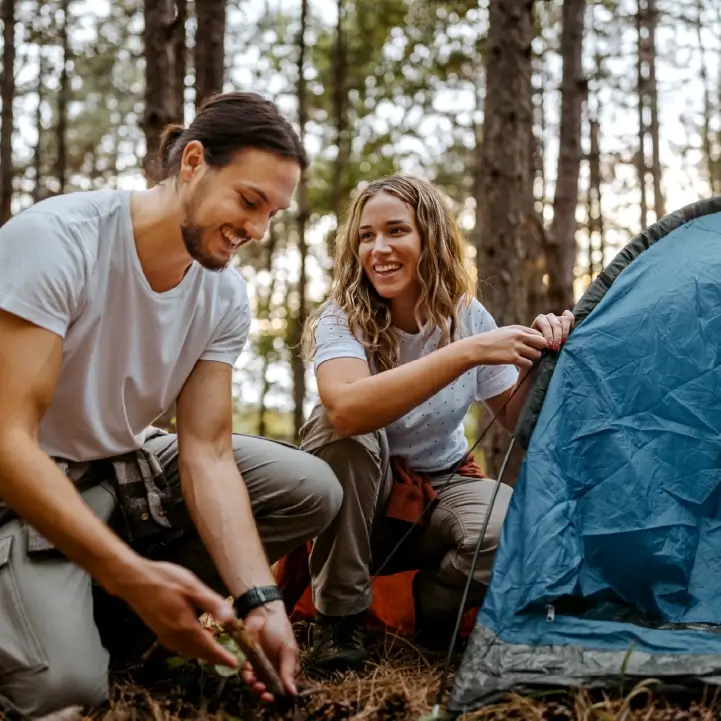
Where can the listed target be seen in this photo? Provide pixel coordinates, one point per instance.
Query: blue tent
(609, 565)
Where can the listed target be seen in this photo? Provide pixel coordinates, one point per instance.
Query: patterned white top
(431, 436)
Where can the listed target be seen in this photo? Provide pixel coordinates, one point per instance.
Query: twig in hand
(262, 667)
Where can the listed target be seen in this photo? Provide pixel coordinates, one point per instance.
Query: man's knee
(78, 680)
(51, 655)
(323, 492)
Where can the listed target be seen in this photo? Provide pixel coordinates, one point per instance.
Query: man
(113, 304)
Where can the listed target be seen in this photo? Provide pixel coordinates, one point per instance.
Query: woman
(401, 351)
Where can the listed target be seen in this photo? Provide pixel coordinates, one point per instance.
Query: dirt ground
(400, 684)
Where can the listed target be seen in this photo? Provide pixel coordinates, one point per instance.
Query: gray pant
(51, 654)
(360, 537)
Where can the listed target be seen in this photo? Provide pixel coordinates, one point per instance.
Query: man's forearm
(41, 494)
(219, 505)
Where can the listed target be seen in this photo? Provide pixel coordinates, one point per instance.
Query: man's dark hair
(227, 123)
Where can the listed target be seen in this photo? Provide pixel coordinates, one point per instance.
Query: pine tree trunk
(562, 241)
(706, 141)
(596, 251)
(7, 91)
(265, 313)
(536, 238)
(164, 34)
(179, 43)
(209, 48)
(505, 202)
(659, 204)
(595, 225)
(340, 120)
(39, 127)
(716, 158)
(641, 89)
(477, 171)
(61, 128)
(298, 366)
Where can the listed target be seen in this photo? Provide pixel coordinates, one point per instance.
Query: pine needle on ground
(400, 684)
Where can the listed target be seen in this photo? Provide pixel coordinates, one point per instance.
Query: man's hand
(271, 626)
(170, 599)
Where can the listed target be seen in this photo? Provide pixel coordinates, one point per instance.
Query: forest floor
(400, 684)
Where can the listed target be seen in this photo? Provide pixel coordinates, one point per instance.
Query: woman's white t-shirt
(431, 436)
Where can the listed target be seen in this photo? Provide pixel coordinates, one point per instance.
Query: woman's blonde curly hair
(445, 281)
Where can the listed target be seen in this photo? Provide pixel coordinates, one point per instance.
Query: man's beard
(193, 240)
(193, 234)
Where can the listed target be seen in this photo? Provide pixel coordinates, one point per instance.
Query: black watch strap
(254, 597)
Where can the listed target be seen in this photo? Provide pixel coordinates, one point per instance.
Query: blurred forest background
(557, 128)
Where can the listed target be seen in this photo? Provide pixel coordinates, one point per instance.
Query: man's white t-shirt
(430, 437)
(69, 264)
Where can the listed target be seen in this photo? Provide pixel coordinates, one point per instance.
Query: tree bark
(716, 157)
(7, 91)
(163, 36)
(39, 127)
(179, 44)
(61, 128)
(561, 248)
(340, 119)
(641, 89)
(298, 366)
(537, 238)
(710, 161)
(596, 253)
(265, 312)
(209, 48)
(505, 202)
(659, 204)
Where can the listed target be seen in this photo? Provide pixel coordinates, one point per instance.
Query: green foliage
(224, 640)
(231, 646)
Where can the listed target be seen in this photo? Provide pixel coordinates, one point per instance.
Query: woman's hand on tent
(555, 330)
(511, 344)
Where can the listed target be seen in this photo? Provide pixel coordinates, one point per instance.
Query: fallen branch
(262, 667)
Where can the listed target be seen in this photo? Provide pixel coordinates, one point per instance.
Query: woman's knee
(462, 560)
(358, 463)
(320, 438)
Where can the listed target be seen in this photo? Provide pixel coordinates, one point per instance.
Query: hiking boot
(339, 642)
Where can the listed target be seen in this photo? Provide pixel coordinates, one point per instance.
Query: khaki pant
(360, 537)
(51, 653)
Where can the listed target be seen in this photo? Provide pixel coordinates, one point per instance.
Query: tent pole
(461, 609)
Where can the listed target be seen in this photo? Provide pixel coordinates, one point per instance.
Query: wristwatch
(254, 597)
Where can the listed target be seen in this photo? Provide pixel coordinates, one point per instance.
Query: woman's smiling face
(389, 246)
